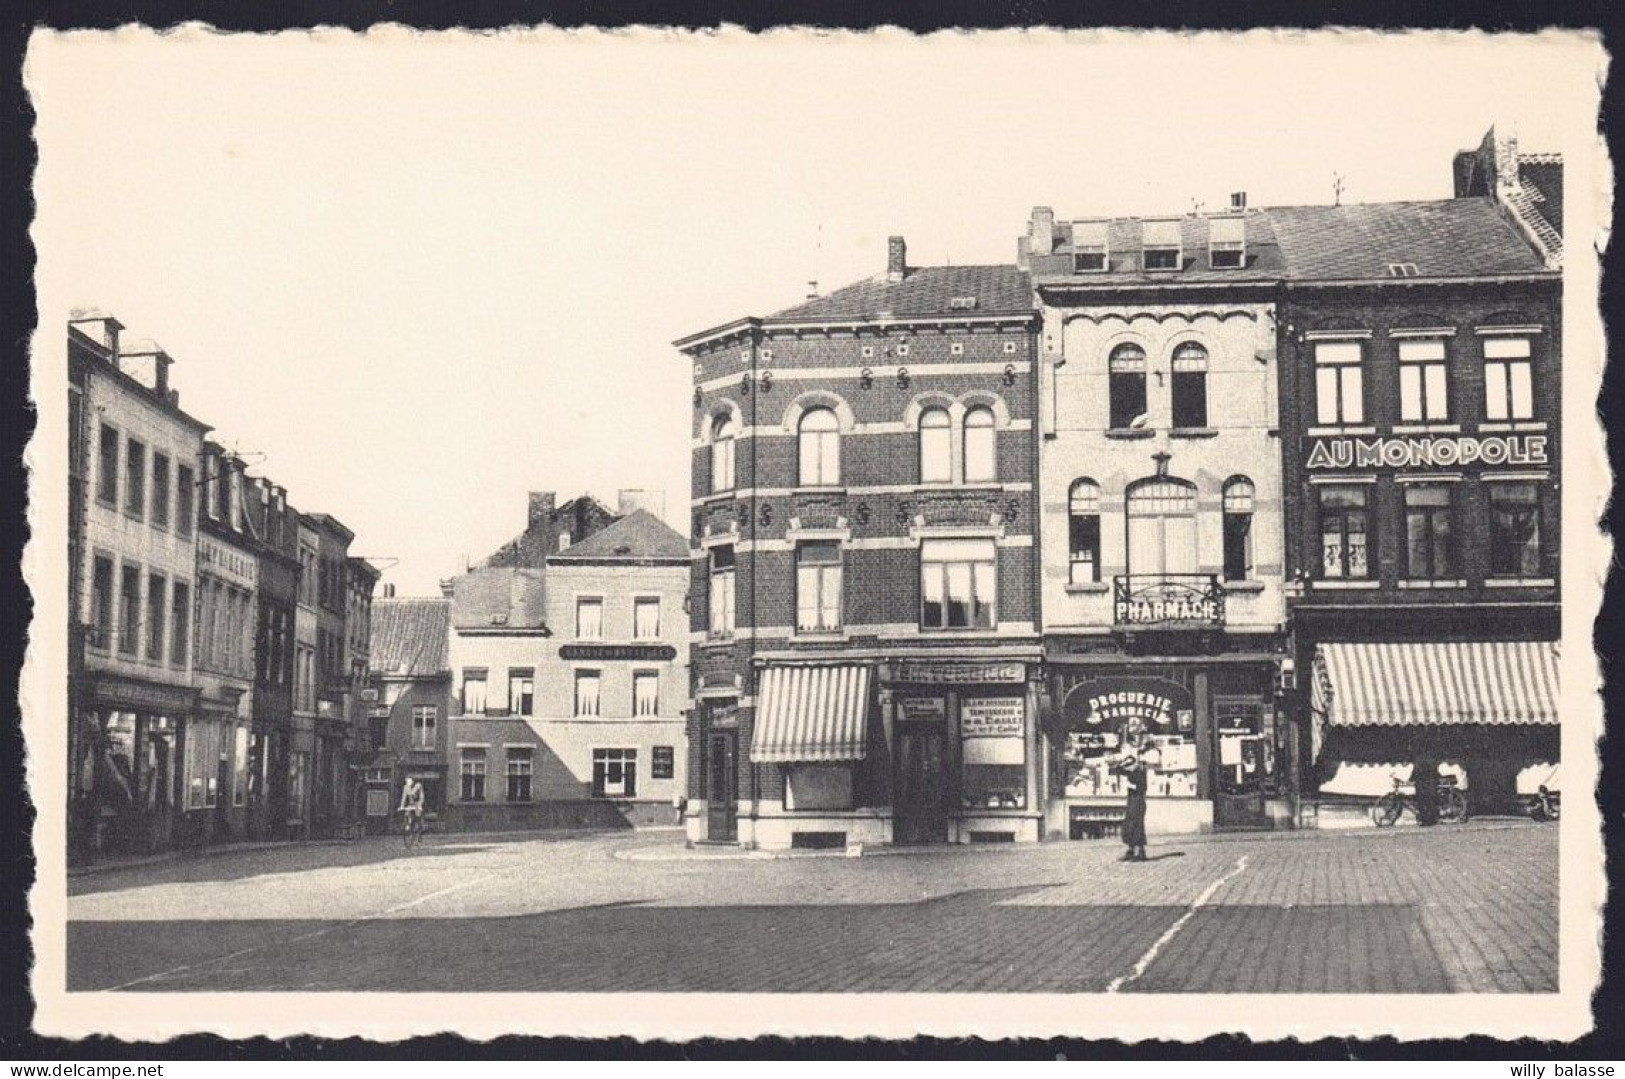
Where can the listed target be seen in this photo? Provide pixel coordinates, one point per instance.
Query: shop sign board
(992, 717)
(959, 673)
(1427, 452)
(645, 653)
(923, 708)
(1153, 703)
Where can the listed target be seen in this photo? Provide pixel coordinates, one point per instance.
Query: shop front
(1210, 732)
(127, 752)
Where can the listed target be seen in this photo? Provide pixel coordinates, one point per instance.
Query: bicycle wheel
(1387, 810)
(1453, 807)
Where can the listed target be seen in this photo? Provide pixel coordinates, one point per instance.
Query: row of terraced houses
(1277, 487)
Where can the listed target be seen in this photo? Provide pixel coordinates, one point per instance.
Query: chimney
(540, 511)
(631, 500)
(1506, 161)
(896, 259)
(160, 373)
(1238, 200)
(389, 591)
(1041, 232)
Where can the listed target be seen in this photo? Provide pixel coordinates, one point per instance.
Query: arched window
(980, 464)
(1083, 515)
(1161, 528)
(1238, 529)
(723, 430)
(1126, 385)
(936, 448)
(819, 448)
(1190, 385)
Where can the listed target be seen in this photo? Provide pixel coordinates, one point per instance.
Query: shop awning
(1500, 683)
(812, 713)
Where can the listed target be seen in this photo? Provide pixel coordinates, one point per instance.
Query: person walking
(1132, 769)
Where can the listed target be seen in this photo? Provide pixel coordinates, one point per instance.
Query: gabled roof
(530, 548)
(1461, 237)
(499, 598)
(1125, 238)
(638, 537)
(924, 292)
(409, 636)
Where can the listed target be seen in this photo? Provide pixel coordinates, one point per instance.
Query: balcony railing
(1167, 600)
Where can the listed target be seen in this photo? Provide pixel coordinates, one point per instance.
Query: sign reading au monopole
(1427, 452)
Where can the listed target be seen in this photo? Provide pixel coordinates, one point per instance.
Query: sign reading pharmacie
(1431, 452)
(1156, 704)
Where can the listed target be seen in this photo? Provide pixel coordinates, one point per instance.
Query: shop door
(1246, 771)
(722, 801)
(921, 810)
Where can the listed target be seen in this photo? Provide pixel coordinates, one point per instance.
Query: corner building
(865, 653)
(1161, 518)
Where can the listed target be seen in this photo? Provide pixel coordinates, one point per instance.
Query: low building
(408, 704)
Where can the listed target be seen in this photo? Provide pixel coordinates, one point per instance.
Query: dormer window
(1227, 244)
(1161, 247)
(962, 303)
(1402, 269)
(1091, 252)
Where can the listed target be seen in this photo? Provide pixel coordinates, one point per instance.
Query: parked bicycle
(1391, 806)
(1546, 804)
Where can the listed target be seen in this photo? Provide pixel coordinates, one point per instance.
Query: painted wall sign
(1157, 704)
(992, 717)
(929, 708)
(642, 652)
(1427, 452)
(959, 673)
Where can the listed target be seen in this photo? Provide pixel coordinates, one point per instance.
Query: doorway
(921, 810)
(722, 802)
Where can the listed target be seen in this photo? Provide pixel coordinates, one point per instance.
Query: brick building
(1421, 403)
(1160, 485)
(864, 595)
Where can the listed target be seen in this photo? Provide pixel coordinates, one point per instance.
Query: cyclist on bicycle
(412, 803)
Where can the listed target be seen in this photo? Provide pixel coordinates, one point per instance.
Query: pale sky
(423, 275)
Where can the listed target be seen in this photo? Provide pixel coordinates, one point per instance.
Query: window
(614, 773)
(1126, 386)
(645, 693)
(185, 493)
(646, 618)
(722, 591)
(205, 745)
(180, 618)
(424, 718)
(723, 430)
(1090, 247)
(1508, 379)
(663, 762)
(520, 767)
(107, 466)
(587, 683)
(521, 690)
(1083, 526)
(590, 618)
(473, 774)
(1514, 530)
(818, 585)
(1190, 385)
(1339, 383)
(979, 452)
(1162, 245)
(135, 479)
(1429, 533)
(129, 622)
(1238, 529)
(101, 603)
(1345, 544)
(1227, 243)
(157, 611)
(819, 448)
(817, 786)
(473, 691)
(936, 446)
(1423, 382)
(160, 490)
(958, 584)
(1162, 528)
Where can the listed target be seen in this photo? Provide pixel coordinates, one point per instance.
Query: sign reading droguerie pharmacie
(1427, 452)
(1154, 703)
(992, 717)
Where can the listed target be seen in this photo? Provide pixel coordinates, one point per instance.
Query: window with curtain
(1423, 382)
(1238, 529)
(1162, 528)
(818, 585)
(958, 584)
(520, 761)
(1189, 390)
(936, 446)
(1430, 533)
(1339, 382)
(1514, 530)
(646, 618)
(1344, 531)
(819, 448)
(721, 601)
(586, 700)
(645, 693)
(980, 464)
(1125, 372)
(590, 618)
(521, 690)
(723, 432)
(472, 759)
(1509, 387)
(474, 691)
(1083, 527)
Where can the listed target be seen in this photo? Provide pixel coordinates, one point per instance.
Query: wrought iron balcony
(1167, 600)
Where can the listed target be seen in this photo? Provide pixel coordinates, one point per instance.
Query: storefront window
(1104, 717)
(994, 752)
(817, 786)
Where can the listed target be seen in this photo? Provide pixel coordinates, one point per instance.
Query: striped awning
(812, 713)
(1500, 683)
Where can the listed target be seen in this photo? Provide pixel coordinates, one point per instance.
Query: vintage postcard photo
(713, 534)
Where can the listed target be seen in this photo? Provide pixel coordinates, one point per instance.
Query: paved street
(1470, 908)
